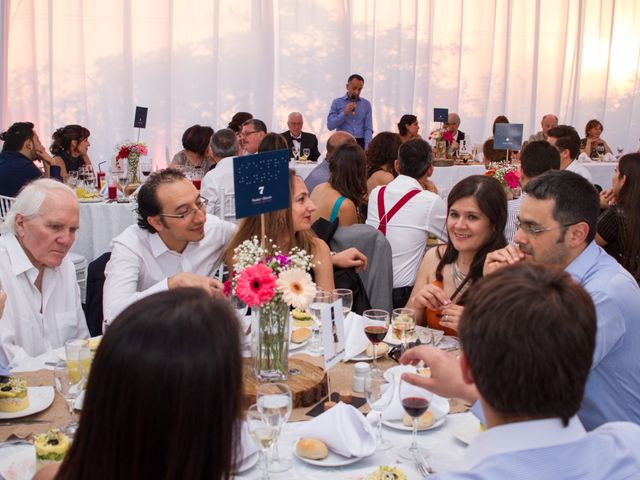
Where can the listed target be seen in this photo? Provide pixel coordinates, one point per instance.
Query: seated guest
(43, 307)
(299, 140)
(382, 154)
(406, 212)
(408, 128)
(592, 144)
(345, 192)
(453, 125)
(567, 141)
(476, 216)
(197, 153)
(287, 229)
(272, 141)
(548, 122)
(70, 149)
(320, 174)
(557, 227)
(536, 158)
(175, 244)
(251, 134)
(224, 144)
(528, 338)
(237, 120)
(164, 399)
(491, 155)
(20, 149)
(618, 229)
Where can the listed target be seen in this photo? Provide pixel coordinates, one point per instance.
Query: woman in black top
(618, 228)
(70, 148)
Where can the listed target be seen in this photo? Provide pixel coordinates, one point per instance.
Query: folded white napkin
(343, 429)
(356, 341)
(584, 158)
(608, 157)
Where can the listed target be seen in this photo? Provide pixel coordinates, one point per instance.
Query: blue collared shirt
(545, 449)
(16, 171)
(612, 392)
(359, 125)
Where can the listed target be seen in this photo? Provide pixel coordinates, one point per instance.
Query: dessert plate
(332, 460)
(297, 346)
(39, 399)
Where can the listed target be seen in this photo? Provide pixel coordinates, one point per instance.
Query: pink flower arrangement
(131, 150)
(512, 179)
(256, 285)
(448, 136)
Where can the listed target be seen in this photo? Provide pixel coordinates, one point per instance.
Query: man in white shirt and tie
(175, 244)
(43, 308)
(529, 334)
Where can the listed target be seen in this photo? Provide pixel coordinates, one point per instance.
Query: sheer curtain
(199, 61)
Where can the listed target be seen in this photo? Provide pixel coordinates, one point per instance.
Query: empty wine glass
(264, 431)
(379, 393)
(346, 296)
(320, 301)
(69, 382)
(296, 153)
(415, 401)
(375, 328)
(275, 399)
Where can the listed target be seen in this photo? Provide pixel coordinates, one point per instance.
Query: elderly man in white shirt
(43, 308)
(175, 244)
(218, 183)
(411, 213)
(566, 139)
(529, 335)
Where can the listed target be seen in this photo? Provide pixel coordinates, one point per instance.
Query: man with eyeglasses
(175, 244)
(556, 227)
(453, 124)
(251, 134)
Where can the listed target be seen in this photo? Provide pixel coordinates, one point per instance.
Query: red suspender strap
(385, 217)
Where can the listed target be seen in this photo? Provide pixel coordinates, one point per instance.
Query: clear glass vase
(132, 171)
(441, 149)
(270, 341)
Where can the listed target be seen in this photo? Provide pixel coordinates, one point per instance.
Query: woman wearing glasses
(476, 217)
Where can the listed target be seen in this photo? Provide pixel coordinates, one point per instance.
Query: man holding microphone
(351, 113)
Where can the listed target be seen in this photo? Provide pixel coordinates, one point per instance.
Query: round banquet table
(303, 169)
(100, 222)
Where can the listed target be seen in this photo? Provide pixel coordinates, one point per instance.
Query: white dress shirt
(513, 208)
(35, 322)
(214, 181)
(409, 228)
(141, 263)
(545, 449)
(580, 170)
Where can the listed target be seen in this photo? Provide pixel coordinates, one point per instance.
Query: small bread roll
(311, 448)
(300, 335)
(425, 421)
(381, 349)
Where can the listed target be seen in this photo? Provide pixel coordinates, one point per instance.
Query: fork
(421, 465)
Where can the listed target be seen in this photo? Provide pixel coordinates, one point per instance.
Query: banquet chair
(95, 286)
(5, 205)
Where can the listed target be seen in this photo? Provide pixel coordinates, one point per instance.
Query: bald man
(299, 140)
(320, 174)
(548, 122)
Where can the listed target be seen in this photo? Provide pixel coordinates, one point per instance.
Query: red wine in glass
(415, 406)
(197, 183)
(375, 333)
(146, 173)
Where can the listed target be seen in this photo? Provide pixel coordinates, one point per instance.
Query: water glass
(379, 394)
(69, 383)
(320, 301)
(346, 296)
(264, 432)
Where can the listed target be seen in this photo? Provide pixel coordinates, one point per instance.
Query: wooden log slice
(307, 388)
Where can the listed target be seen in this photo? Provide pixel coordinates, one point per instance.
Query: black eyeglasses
(201, 204)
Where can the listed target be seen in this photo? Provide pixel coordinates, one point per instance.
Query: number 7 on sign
(261, 190)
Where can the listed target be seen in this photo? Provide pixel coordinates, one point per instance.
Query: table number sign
(508, 136)
(140, 119)
(441, 115)
(333, 340)
(261, 183)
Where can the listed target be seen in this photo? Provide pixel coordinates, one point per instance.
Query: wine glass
(123, 181)
(320, 301)
(296, 153)
(375, 328)
(264, 431)
(69, 381)
(275, 399)
(379, 394)
(404, 325)
(415, 401)
(346, 296)
(619, 150)
(146, 164)
(305, 153)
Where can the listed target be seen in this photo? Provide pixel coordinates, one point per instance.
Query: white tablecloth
(304, 169)
(99, 224)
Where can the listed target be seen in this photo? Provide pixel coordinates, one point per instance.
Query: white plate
(363, 357)
(91, 200)
(332, 460)
(467, 430)
(297, 346)
(439, 407)
(248, 462)
(39, 399)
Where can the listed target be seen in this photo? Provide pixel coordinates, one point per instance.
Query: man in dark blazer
(299, 139)
(453, 122)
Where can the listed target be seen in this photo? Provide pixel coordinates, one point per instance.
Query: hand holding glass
(415, 401)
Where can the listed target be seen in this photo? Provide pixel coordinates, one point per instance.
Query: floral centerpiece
(132, 151)
(441, 136)
(508, 175)
(270, 283)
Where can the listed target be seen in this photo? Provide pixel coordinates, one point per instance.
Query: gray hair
(224, 143)
(294, 114)
(29, 201)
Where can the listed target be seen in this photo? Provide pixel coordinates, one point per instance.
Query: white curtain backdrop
(199, 61)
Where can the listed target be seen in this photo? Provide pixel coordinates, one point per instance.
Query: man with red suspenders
(406, 212)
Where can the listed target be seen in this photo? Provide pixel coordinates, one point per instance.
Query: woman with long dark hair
(197, 152)
(346, 191)
(164, 398)
(618, 228)
(476, 217)
(70, 148)
(408, 127)
(381, 154)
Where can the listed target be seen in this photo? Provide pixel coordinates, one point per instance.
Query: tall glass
(69, 382)
(264, 431)
(376, 325)
(346, 296)
(379, 394)
(404, 325)
(276, 399)
(320, 301)
(415, 401)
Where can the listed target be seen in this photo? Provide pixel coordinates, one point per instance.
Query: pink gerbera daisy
(256, 285)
